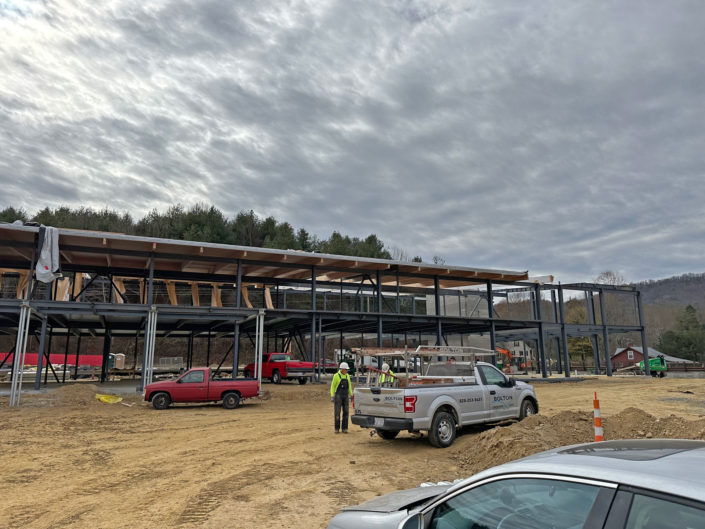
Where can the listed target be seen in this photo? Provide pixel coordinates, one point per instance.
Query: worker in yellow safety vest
(340, 391)
(387, 375)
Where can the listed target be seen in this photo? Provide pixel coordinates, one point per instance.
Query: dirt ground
(70, 461)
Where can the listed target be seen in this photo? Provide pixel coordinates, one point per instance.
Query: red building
(630, 355)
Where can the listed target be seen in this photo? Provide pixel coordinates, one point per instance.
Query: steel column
(236, 347)
(542, 350)
(134, 352)
(564, 334)
(147, 328)
(42, 344)
(490, 315)
(644, 347)
(149, 339)
(258, 350)
(30, 283)
(605, 335)
(78, 354)
(321, 354)
(150, 283)
(238, 285)
(19, 354)
(66, 353)
(437, 299)
(554, 304)
(106, 355)
(48, 355)
(312, 345)
(590, 306)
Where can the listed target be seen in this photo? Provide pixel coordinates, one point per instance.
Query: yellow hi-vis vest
(387, 377)
(336, 382)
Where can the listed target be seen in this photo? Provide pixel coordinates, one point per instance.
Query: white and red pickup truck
(446, 397)
(198, 385)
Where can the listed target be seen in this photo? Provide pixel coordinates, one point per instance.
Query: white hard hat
(344, 365)
(385, 367)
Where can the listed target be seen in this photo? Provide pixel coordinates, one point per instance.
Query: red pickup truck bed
(197, 385)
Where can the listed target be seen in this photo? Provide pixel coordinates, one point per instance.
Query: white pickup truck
(446, 397)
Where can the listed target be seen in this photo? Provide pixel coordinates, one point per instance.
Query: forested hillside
(687, 289)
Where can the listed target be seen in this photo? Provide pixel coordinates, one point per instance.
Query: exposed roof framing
(89, 250)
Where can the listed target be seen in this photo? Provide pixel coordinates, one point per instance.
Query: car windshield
(518, 504)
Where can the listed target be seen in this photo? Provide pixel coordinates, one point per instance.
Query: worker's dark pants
(341, 403)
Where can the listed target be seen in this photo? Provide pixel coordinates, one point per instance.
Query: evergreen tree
(687, 339)
(11, 214)
(204, 223)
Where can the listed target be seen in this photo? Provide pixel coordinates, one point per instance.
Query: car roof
(672, 466)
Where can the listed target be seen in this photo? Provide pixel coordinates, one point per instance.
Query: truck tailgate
(380, 402)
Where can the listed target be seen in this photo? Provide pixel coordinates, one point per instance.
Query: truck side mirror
(179, 381)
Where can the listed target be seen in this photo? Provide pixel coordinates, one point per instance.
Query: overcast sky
(559, 137)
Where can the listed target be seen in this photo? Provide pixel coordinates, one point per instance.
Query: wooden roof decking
(92, 249)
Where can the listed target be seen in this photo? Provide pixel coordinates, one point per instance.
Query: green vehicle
(657, 366)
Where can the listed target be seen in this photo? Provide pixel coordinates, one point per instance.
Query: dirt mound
(76, 395)
(538, 433)
(634, 423)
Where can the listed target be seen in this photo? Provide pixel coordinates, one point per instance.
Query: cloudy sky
(559, 137)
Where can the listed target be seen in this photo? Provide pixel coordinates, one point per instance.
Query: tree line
(207, 224)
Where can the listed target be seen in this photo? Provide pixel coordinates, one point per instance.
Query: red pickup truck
(198, 385)
(282, 366)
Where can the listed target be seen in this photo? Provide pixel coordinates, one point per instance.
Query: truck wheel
(276, 377)
(247, 374)
(231, 401)
(442, 432)
(161, 401)
(303, 380)
(387, 434)
(527, 408)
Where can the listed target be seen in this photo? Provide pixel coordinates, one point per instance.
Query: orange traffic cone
(599, 432)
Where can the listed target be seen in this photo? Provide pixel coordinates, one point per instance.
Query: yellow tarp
(108, 399)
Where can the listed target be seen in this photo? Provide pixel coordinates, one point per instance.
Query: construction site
(129, 310)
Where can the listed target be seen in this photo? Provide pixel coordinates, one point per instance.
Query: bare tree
(610, 277)
(399, 254)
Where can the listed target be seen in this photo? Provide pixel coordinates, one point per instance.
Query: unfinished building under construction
(121, 286)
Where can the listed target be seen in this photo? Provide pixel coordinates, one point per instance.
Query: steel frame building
(328, 295)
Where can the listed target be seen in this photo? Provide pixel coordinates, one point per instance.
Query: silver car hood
(402, 499)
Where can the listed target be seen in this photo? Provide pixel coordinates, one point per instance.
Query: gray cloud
(562, 138)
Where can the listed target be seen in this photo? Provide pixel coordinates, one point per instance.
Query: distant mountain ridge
(683, 290)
